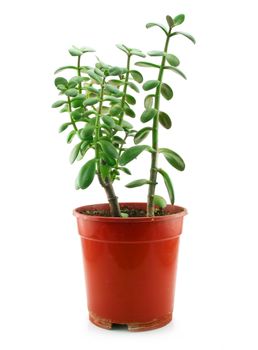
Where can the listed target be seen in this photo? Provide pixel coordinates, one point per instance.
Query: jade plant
(97, 101)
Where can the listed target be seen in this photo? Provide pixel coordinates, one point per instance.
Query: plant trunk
(112, 199)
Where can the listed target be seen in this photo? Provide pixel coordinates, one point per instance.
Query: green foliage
(86, 174)
(131, 153)
(137, 183)
(98, 100)
(159, 201)
(173, 158)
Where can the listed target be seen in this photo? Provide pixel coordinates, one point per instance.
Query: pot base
(131, 326)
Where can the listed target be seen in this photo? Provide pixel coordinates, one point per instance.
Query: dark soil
(131, 212)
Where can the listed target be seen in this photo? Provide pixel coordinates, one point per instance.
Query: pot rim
(178, 213)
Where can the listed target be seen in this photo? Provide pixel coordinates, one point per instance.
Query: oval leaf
(61, 81)
(172, 60)
(166, 91)
(131, 153)
(70, 136)
(170, 21)
(187, 35)
(137, 183)
(71, 92)
(141, 135)
(168, 184)
(137, 76)
(109, 149)
(165, 120)
(146, 64)
(58, 103)
(150, 84)
(148, 114)
(63, 127)
(179, 19)
(177, 71)
(74, 153)
(159, 201)
(74, 51)
(130, 99)
(156, 53)
(86, 174)
(150, 25)
(91, 101)
(129, 112)
(173, 158)
(148, 101)
(64, 68)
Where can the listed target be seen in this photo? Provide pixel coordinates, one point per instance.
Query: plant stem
(105, 183)
(79, 73)
(70, 111)
(125, 88)
(155, 127)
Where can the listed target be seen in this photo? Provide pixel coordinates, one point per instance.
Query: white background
(42, 304)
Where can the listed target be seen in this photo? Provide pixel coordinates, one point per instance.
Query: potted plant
(129, 249)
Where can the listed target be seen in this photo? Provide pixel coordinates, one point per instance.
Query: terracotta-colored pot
(130, 266)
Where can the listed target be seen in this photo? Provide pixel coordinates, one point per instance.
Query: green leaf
(136, 52)
(187, 35)
(109, 121)
(122, 48)
(168, 184)
(70, 136)
(125, 170)
(170, 21)
(137, 183)
(86, 174)
(112, 99)
(110, 161)
(109, 149)
(177, 71)
(172, 60)
(64, 68)
(173, 158)
(75, 51)
(130, 99)
(58, 103)
(137, 76)
(159, 201)
(91, 101)
(113, 90)
(87, 49)
(150, 84)
(71, 92)
(116, 71)
(94, 76)
(179, 19)
(156, 53)
(129, 112)
(63, 127)
(165, 120)
(99, 72)
(150, 25)
(115, 110)
(166, 91)
(146, 64)
(124, 215)
(148, 101)
(133, 86)
(87, 132)
(148, 114)
(75, 152)
(141, 135)
(61, 82)
(131, 153)
(125, 124)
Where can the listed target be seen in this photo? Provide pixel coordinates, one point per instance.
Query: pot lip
(180, 212)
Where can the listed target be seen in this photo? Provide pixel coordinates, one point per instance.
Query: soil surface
(128, 212)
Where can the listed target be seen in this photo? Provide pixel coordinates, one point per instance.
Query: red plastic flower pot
(130, 266)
